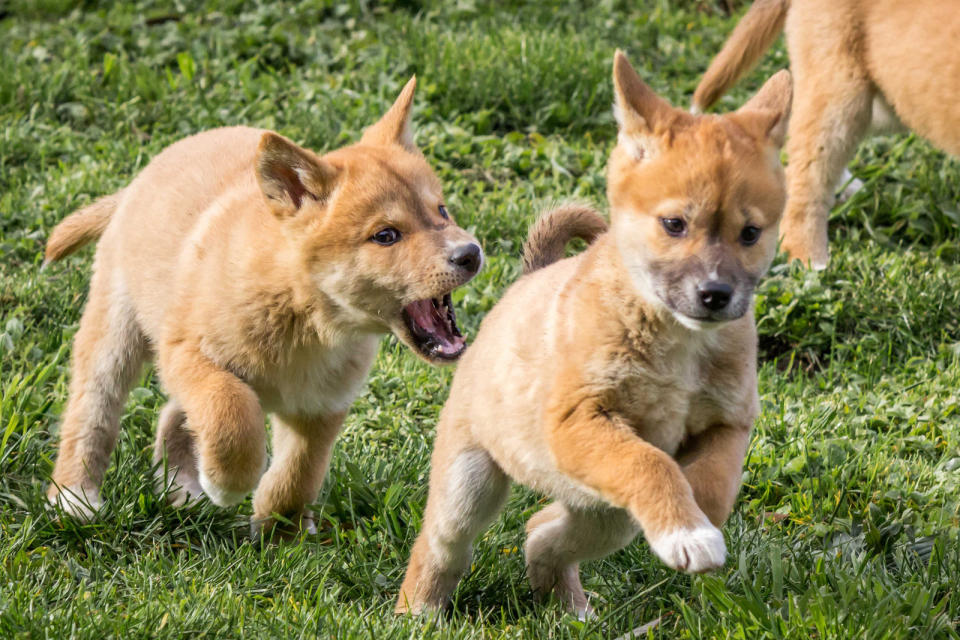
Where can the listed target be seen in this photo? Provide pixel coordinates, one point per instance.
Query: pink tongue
(429, 320)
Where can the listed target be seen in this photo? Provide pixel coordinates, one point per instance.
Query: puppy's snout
(468, 257)
(715, 295)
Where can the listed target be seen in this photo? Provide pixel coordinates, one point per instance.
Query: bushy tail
(80, 228)
(753, 35)
(552, 231)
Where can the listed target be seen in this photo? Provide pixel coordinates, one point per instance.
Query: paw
(274, 530)
(814, 257)
(692, 550)
(77, 502)
(218, 495)
(564, 583)
(419, 608)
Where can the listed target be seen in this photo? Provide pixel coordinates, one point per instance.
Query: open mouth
(433, 326)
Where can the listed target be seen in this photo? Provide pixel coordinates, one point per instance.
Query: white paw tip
(77, 502)
(692, 550)
(219, 496)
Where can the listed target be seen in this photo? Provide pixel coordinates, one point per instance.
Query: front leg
(301, 454)
(223, 414)
(713, 463)
(598, 449)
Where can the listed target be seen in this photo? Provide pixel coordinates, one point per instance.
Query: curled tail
(552, 231)
(753, 35)
(80, 227)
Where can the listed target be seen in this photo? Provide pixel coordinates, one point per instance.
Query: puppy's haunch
(625, 384)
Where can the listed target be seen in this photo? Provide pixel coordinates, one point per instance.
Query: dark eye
(386, 237)
(749, 235)
(676, 227)
(443, 212)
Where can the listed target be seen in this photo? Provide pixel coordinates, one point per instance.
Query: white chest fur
(317, 380)
(685, 395)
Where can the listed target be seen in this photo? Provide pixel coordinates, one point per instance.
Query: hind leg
(108, 353)
(301, 455)
(560, 538)
(467, 489)
(823, 137)
(175, 455)
(832, 106)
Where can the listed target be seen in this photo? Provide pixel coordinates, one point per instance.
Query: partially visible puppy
(260, 275)
(620, 382)
(860, 66)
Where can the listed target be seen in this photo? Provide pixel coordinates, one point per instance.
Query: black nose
(468, 257)
(715, 295)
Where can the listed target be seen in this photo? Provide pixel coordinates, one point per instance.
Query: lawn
(847, 524)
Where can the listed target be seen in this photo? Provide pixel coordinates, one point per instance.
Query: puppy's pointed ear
(641, 114)
(394, 126)
(767, 113)
(288, 174)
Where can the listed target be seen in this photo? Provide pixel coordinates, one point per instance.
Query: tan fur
(245, 264)
(629, 414)
(751, 38)
(859, 66)
(81, 228)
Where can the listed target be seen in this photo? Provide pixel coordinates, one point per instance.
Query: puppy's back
(181, 200)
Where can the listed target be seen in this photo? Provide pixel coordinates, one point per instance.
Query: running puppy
(860, 66)
(625, 384)
(261, 277)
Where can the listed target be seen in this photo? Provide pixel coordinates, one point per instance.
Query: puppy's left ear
(394, 126)
(289, 174)
(767, 113)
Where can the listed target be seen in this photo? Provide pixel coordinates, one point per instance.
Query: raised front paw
(693, 550)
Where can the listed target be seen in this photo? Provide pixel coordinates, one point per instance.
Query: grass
(847, 524)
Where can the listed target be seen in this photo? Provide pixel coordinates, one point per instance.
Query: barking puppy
(261, 276)
(860, 66)
(625, 385)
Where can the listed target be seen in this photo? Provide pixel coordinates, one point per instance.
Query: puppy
(261, 276)
(860, 66)
(624, 379)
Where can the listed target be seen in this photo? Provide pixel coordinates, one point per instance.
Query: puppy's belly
(512, 433)
(534, 468)
(519, 449)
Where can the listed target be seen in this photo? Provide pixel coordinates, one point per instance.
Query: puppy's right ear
(288, 174)
(643, 116)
